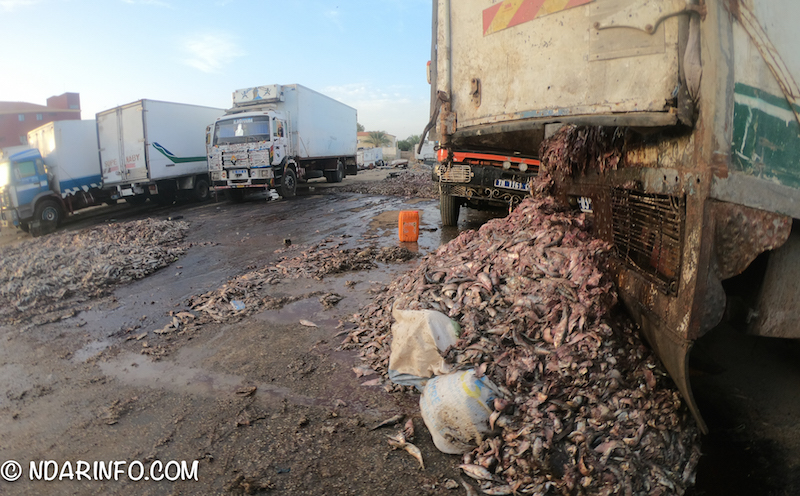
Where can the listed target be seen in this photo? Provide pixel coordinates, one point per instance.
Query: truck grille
(457, 173)
(648, 234)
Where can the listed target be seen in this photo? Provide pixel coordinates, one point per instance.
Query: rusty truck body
(698, 98)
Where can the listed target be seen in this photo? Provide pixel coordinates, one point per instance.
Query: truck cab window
(26, 169)
(242, 130)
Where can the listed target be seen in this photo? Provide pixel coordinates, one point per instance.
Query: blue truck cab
(25, 192)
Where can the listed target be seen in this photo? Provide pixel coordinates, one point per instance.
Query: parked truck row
(271, 138)
(699, 102)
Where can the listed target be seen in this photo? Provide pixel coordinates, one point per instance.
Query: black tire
(335, 176)
(136, 199)
(236, 195)
(288, 183)
(49, 211)
(201, 191)
(449, 206)
(338, 176)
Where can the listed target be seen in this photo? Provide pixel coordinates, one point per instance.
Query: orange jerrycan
(409, 225)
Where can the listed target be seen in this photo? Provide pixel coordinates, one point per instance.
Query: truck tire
(49, 211)
(201, 191)
(336, 176)
(288, 183)
(449, 207)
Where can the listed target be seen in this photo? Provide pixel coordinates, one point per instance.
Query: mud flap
(674, 354)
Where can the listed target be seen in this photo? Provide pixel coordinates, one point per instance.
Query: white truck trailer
(151, 148)
(369, 158)
(58, 174)
(277, 135)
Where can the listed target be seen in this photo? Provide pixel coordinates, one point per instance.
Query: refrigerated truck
(278, 135)
(155, 149)
(58, 174)
(691, 111)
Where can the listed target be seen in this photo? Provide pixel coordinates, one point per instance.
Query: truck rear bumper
(242, 184)
(484, 183)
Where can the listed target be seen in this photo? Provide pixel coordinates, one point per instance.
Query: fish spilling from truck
(673, 124)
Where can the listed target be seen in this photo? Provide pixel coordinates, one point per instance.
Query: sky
(369, 54)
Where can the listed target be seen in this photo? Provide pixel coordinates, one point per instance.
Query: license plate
(508, 184)
(240, 172)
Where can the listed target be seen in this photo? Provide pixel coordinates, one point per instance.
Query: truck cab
(25, 192)
(246, 151)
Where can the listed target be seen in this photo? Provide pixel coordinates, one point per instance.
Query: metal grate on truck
(648, 235)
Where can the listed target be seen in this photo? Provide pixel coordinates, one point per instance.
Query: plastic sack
(417, 338)
(456, 409)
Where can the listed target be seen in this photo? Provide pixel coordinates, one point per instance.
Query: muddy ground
(268, 405)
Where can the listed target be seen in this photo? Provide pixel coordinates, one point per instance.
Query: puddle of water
(138, 371)
(390, 219)
(90, 350)
(309, 309)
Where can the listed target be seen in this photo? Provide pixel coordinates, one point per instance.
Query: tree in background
(408, 143)
(359, 127)
(378, 139)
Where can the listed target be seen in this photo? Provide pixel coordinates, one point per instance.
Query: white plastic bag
(418, 337)
(456, 409)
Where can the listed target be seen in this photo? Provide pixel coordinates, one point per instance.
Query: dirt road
(82, 390)
(270, 405)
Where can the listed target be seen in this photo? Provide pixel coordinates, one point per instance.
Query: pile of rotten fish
(586, 407)
(48, 273)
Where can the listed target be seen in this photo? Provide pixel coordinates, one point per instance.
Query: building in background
(17, 118)
(390, 151)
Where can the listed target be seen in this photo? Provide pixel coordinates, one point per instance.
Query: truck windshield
(5, 174)
(242, 130)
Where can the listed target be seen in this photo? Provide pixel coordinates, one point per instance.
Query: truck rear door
(548, 60)
(108, 131)
(132, 139)
(122, 149)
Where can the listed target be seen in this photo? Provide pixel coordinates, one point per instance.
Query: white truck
(426, 152)
(369, 158)
(156, 149)
(277, 135)
(58, 174)
(685, 148)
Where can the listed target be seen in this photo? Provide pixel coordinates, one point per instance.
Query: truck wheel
(338, 176)
(48, 211)
(449, 208)
(288, 183)
(201, 191)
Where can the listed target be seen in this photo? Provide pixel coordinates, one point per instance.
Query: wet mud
(267, 405)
